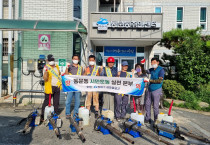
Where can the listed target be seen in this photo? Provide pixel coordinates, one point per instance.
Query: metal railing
(23, 91)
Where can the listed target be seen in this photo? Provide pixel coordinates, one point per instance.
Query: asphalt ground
(10, 132)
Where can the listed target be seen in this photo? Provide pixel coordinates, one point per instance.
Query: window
(179, 26)
(99, 55)
(179, 17)
(179, 14)
(77, 9)
(130, 64)
(130, 9)
(139, 59)
(158, 10)
(140, 49)
(115, 62)
(140, 54)
(112, 9)
(5, 46)
(77, 44)
(203, 15)
(203, 22)
(157, 56)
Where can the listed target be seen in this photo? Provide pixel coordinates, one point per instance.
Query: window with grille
(5, 46)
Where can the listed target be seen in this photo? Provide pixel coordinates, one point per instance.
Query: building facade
(182, 14)
(62, 44)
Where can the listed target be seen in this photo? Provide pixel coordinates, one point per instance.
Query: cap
(110, 59)
(50, 57)
(124, 63)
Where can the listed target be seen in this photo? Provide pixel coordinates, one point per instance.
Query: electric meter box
(41, 62)
(30, 65)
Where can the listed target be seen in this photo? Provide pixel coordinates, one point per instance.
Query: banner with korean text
(130, 86)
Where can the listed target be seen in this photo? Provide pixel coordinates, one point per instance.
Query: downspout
(114, 5)
(9, 50)
(1, 41)
(19, 48)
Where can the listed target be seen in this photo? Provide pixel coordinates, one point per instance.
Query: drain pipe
(24, 91)
(1, 42)
(9, 50)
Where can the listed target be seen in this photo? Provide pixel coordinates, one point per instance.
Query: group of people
(117, 103)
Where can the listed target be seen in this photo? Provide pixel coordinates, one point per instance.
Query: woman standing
(139, 72)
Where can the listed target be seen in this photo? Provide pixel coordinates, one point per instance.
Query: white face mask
(154, 66)
(91, 62)
(52, 63)
(75, 61)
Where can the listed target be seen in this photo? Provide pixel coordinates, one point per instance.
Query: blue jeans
(76, 104)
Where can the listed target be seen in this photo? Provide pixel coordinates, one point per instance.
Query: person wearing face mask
(73, 69)
(154, 90)
(92, 70)
(109, 71)
(52, 84)
(121, 100)
(139, 72)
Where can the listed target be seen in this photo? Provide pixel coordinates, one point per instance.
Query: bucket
(84, 114)
(138, 117)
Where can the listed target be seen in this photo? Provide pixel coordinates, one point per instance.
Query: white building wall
(45, 10)
(191, 14)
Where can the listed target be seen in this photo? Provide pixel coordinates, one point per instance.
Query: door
(119, 60)
(131, 63)
(116, 64)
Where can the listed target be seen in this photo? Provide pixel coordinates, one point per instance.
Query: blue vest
(154, 76)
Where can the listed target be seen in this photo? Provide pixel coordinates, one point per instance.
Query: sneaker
(96, 114)
(118, 119)
(68, 116)
(148, 121)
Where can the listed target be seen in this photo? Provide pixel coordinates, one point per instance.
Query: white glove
(68, 65)
(45, 68)
(62, 74)
(146, 80)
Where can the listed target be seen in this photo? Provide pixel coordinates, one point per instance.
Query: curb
(192, 111)
(4, 98)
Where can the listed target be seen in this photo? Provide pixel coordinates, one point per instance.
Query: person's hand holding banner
(146, 80)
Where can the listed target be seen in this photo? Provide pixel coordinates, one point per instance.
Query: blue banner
(119, 51)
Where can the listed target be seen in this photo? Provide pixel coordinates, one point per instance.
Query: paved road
(9, 132)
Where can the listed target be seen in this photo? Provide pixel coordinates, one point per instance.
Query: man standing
(154, 90)
(92, 70)
(52, 84)
(74, 69)
(109, 71)
(121, 100)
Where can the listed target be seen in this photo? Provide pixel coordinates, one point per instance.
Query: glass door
(131, 63)
(119, 60)
(116, 64)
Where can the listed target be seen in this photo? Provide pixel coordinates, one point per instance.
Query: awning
(42, 25)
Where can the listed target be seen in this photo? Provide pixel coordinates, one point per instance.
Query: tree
(192, 56)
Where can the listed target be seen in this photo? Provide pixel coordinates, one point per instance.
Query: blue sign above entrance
(119, 51)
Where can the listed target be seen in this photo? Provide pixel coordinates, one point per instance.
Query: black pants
(56, 97)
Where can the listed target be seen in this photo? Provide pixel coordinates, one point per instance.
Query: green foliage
(207, 109)
(166, 104)
(194, 106)
(172, 89)
(192, 60)
(188, 96)
(192, 100)
(204, 93)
